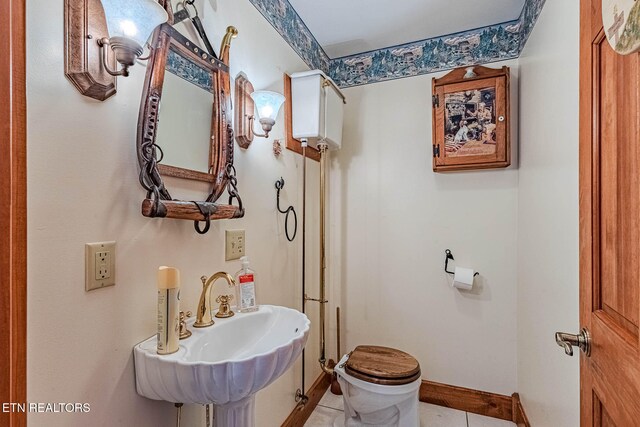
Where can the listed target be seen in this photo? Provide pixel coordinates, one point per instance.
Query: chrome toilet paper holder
(449, 256)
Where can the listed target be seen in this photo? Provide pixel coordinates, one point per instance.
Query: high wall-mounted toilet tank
(317, 109)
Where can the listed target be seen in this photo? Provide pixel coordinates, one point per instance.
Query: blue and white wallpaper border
(480, 46)
(284, 18)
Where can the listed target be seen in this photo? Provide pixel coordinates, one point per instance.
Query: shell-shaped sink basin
(224, 363)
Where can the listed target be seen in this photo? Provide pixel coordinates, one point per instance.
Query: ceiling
(347, 27)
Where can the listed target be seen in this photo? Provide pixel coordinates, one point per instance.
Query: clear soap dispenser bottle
(246, 288)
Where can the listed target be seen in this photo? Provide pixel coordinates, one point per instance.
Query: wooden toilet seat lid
(382, 365)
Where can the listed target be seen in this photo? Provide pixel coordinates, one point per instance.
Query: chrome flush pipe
(301, 398)
(304, 242)
(322, 146)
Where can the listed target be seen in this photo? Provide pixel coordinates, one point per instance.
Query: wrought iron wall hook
(206, 210)
(290, 209)
(449, 256)
(280, 185)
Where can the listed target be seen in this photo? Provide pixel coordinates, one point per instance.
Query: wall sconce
(91, 26)
(267, 105)
(130, 23)
(248, 102)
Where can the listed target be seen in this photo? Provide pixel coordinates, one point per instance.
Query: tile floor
(430, 415)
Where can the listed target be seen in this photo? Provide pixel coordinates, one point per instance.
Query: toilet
(380, 387)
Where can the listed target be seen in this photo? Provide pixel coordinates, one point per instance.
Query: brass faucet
(203, 313)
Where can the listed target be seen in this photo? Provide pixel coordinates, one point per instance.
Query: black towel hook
(290, 209)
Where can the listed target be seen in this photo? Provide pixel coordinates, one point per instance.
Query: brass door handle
(568, 341)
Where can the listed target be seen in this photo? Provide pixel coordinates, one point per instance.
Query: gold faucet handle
(184, 332)
(224, 299)
(224, 310)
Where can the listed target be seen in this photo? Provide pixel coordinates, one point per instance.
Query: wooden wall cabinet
(471, 119)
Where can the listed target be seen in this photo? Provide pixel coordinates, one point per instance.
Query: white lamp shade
(133, 19)
(267, 103)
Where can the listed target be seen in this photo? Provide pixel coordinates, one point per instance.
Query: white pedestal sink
(225, 364)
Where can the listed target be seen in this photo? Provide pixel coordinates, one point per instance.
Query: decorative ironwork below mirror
(184, 128)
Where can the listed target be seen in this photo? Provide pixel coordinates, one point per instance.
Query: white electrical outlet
(100, 265)
(235, 244)
(103, 265)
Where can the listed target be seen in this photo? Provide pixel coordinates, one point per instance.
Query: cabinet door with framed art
(471, 123)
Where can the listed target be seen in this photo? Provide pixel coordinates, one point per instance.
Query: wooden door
(13, 209)
(609, 227)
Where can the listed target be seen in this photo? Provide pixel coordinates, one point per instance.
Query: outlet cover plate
(100, 265)
(234, 244)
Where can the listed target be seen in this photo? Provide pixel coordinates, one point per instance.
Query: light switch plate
(100, 265)
(234, 244)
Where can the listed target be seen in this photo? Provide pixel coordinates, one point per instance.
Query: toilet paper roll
(463, 278)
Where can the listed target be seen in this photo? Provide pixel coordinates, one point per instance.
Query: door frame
(13, 209)
(586, 196)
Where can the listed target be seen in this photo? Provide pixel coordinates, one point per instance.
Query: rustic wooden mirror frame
(159, 203)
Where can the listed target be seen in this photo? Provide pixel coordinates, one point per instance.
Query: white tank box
(317, 107)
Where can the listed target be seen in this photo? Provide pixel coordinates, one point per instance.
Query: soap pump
(246, 288)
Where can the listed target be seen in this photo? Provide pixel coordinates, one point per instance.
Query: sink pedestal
(235, 414)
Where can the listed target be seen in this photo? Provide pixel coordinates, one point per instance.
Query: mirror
(184, 128)
(184, 123)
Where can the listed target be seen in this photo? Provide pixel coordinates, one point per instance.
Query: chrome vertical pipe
(323, 300)
(338, 352)
(178, 413)
(323, 150)
(301, 398)
(304, 242)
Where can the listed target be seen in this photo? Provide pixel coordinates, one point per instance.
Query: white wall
(395, 217)
(548, 380)
(83, 187)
